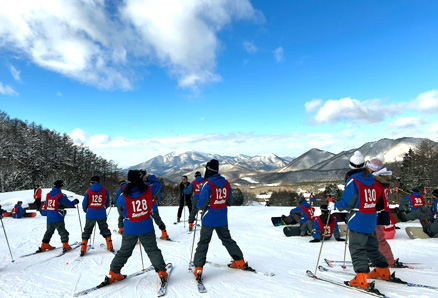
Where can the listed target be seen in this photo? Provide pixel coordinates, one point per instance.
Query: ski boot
(113, 277)
(109, 244)
(163, 276)
(240, 264)
(190, 226)
(45, 246)
(178, 219)
(83, 247)
(120, 230)
(65, 246)
(198, 273)
(360, 281)
(164, 235)
(382, 273)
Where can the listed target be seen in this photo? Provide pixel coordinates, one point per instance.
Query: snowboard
(416, 233)
(276, 221)
(291, 231)
(27, 214)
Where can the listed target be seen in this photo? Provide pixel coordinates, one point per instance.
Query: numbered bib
(328, 229)
(96, 200)
(197, 186)
(219, 195)
(52, 203)
(417, 202)
(310, 212)
(368, 196)
(385, 190)
(140, 208)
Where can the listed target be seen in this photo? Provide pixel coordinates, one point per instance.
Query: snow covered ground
(264, 246)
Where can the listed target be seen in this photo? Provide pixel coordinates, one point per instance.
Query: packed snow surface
(264, 246)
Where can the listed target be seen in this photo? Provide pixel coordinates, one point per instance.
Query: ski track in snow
(264, 246)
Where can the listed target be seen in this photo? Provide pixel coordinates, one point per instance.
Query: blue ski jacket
(95, 213)
(189, 190)
(63, 201)
(119, 192)
(214, 217)
(357, 221)
(300, 211)
(19, 211)
(155, 184)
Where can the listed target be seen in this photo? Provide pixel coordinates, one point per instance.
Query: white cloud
(86, 41)
(279, 54)
(15, 73)
(407, 122)
(99, 140)
(250, 47)
(368, 111)
(312, 105)
(426, 102)
(7, 90)
(79, 136)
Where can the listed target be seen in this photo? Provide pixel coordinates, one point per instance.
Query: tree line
(31, 155)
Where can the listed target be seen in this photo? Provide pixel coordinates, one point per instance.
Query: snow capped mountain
(307, 160)
(180, 162)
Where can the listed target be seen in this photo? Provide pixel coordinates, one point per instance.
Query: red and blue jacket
(305, 211)
(119, 192)
(96, 200)
(319, 226)
(215, 196)
(55, 200)
(359, 198)
(155, 184)
(17, 211)
(195, 188)
(137, 218)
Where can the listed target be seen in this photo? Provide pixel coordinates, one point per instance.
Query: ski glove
(340, 239)
(331, 206)
(314, 240)
(76, 201)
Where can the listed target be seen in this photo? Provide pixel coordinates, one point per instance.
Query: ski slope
(264, 247)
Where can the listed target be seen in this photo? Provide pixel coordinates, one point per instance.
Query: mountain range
(314, 164)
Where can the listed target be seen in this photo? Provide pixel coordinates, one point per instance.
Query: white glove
(331, 207)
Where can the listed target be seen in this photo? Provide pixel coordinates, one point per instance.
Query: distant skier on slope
(96, 200)
(215, 196)
(195, 188)
(360, 198)
(37, 193)
(183, 198)
(56, 201)
(136, 205)
(304, 214)
(320, 225)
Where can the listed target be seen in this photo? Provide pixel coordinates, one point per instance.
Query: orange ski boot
(163, 276)
(109, 244)
(84, 247)
(164, 235)
(45, 246)
(240, 264)
(382, 273)
(113, 277)
(190, 226)
(120, 230)
(360, 281)
(65, 246)
(198, 273)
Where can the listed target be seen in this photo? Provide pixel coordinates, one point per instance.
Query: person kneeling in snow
(304, 215)
(322, 226)
(18, 211)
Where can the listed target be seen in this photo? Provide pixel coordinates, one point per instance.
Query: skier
(413, 207)
(312, 199)
(195, 188)
(152, 181)
(431, 228)
(37, 193)
(56, 201)
(18, 211)
(320, 225)
(183, 198)
(382, 179)
(303, 214)
(216, 195)
(96, 200)
(118, 193)
(360, 198)
(136, 205)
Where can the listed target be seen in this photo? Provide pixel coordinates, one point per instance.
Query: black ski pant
(38, 204)
(157, 219)
(204, 240)
(149, 243)
(421, 214)
(363, 247)
(89, 225)
(188, 201)
(193, 213)
(51, 227)
(293, 218)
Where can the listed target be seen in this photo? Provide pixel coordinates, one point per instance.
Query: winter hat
(213, 165)
(134, 176)
(383, 172)
(435, 192)
(122, 182)
(197, 174)
(184, 177)
(415, 190)
(58, 183)
(302, 199)
(324, 207)
(375, 164)
(143, 172)
(95, 179)
(357, 160)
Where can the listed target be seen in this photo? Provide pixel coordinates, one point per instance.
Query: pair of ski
(371, 289)
(332, 263)
(73, 246)
(161, 291)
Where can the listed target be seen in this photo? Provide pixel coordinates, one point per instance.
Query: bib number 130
(370, 195)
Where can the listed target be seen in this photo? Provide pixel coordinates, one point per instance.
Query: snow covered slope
(264, 247)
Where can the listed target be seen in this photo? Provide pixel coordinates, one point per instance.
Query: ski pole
(7, 241)
(345, 249)
(193, 243)
(322, 241)
(141, 253)
(184, 208)
(94, 235)
(80, 223)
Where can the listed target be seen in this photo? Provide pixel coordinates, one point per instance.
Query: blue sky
(143, 78)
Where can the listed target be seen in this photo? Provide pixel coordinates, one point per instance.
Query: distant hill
(306, 160)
